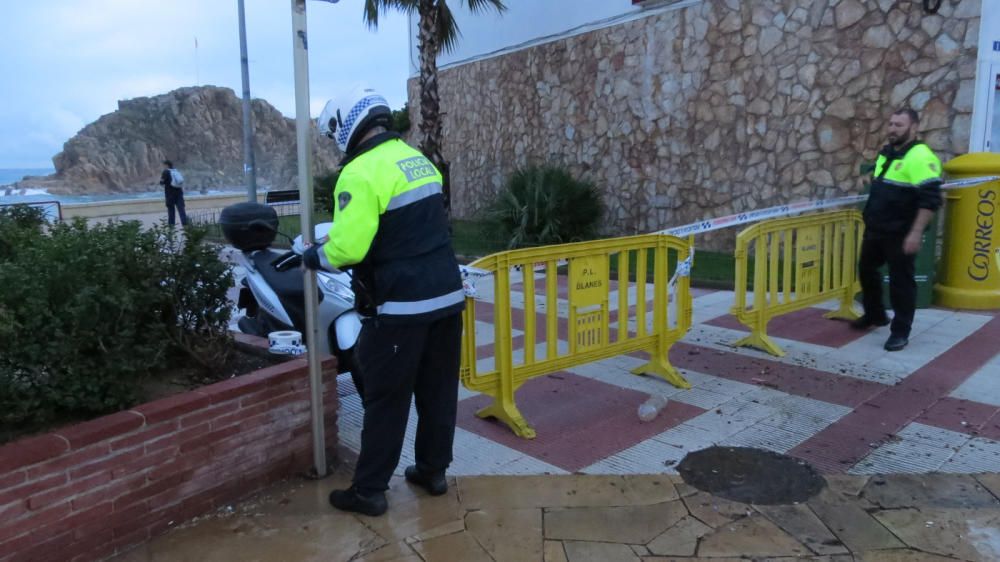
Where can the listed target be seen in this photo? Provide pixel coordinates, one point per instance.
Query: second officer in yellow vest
(905, 193)
(390, 228)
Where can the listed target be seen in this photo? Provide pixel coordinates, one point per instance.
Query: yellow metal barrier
(579, 329)
(799, 262)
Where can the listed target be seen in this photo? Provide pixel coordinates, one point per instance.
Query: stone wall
(717, 108)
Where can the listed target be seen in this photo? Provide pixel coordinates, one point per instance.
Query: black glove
(310, 258)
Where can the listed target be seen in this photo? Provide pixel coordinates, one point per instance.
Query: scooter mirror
(321, 230)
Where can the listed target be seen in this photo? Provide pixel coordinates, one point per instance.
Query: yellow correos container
(969, 275)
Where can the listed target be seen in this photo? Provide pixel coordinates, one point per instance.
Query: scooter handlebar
(286, 261)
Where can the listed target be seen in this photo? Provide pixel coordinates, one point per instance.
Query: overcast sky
(64, 63)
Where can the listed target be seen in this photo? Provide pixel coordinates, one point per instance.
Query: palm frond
(376, 8)
(477, 6)
(448, 31)
(447, 28)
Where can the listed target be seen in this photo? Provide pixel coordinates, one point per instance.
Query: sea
(28, 195)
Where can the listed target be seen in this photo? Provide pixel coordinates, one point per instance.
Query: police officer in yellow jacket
(390, 228)
(905, 193)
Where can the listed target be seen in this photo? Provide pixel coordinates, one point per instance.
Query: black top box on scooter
(249, 226)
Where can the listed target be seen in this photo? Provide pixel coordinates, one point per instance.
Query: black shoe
(895, 343)
(866, 322)
(351, 500)
(435, 484)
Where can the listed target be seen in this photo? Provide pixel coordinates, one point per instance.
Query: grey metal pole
(249, 165)
(303, 137)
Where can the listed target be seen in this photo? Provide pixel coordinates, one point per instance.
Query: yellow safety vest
(902, 183)
(389, 224)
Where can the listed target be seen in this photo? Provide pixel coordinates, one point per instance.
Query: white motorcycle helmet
(345, 118)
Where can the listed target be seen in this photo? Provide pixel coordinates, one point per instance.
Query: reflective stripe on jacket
(389, 224)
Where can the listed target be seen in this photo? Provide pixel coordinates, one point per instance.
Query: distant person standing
(173, 190)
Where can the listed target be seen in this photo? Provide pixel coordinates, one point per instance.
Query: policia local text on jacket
(906, 179)
(389, 224)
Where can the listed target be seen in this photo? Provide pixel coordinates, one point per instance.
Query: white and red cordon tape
(793, 208)
(707, 225)
(684, 268)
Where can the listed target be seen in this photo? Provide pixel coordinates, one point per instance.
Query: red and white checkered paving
(836, 399)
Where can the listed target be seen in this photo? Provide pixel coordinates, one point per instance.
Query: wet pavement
(583, 518)
(907, 446)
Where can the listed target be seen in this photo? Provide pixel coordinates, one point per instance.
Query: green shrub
(323, 195)
(19, 224)
(543, 205)
(401, 119)
(88, 313)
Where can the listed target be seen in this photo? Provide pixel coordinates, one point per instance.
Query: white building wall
(985, 121)
(530, 22)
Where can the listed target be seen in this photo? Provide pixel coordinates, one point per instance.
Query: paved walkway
(600, 485)
(837, 399)
(581, 518)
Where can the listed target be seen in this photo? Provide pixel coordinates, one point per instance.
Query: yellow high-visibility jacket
(390, 228)
(904, 180)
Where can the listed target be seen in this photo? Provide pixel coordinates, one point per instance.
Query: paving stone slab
(690, 559)
(583, 551)
(752, 536)
(849, 485)
(449, 528)
(800, 522)
(991, 482)
(824, 558)
(968, 534)
(639, 550)
(627, 525)
(405, 558)
(508, 534)
(901, 555)
(554, 552)
(504, 492)
(928, 490)
(715, 511)
(457, 546)
(851, 524)
(419, 515)
(329, 536)
(681, 539)
(395, 552)
(684, 489)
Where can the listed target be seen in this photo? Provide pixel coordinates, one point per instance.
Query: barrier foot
(845, 312)
(509, 415)
(665, 371)
(762, 342)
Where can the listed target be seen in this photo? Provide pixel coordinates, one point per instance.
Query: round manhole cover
(751, 475)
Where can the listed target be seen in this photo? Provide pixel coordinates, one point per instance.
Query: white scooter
(272, 293)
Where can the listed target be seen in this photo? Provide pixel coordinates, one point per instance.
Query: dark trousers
(399, 362)
(175, 199)
(902, 286)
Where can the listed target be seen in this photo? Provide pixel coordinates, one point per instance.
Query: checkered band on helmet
(357, 112)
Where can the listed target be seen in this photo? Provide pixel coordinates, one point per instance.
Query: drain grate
(750, 475)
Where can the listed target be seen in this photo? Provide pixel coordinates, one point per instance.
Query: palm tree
(437, 30)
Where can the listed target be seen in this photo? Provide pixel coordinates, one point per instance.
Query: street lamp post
(300, 48)
(249, 165)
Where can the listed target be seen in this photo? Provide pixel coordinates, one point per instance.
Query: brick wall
(91, 490)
